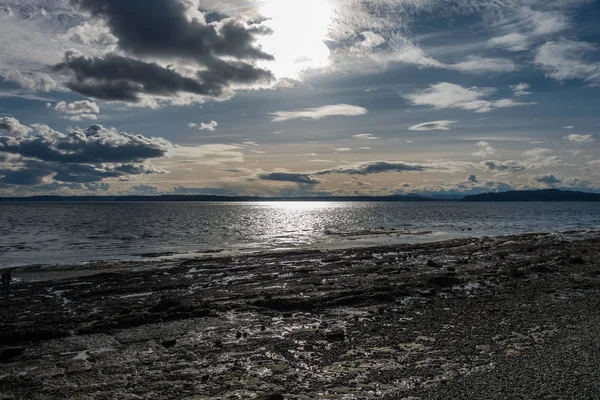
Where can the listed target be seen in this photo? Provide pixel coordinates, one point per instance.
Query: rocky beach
(511, 317)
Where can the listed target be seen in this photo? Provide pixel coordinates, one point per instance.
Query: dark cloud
(365, 168)
(78, 157)
(120, 78)
(472, 179)
(547, 179)
(503, 166)
(373, 167)
(96, 144)
(22, 177)
(293, 177)
(162, 29)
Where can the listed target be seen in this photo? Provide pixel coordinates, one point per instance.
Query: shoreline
(451, 319)
(52, 271)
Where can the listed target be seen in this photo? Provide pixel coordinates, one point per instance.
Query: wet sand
(481, 318)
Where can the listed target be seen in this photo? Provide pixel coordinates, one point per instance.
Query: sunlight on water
(70, 233)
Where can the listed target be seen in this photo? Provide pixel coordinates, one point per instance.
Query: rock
(168, 343)
(238, 334)
(542, 269)
(577, 260)
(274, 396)
(444, 281)
(433, 264)
(427, 293)
(165, 303)
(10, 353)
(335, 335)
(512, 353)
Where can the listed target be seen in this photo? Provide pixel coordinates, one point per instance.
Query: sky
(298, 97)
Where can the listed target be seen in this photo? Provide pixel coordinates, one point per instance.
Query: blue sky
(312, 97)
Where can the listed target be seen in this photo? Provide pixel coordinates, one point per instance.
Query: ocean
(72, 233)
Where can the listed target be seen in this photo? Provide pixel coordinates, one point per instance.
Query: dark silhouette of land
(514, 195)
(535, 195)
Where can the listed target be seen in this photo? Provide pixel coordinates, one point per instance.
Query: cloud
(433, 126)
(564, 60)
(521, 89)
(13, 127)
(579, 139)
(343, 149)
(217, 56)
(472, 179)
(78, 110)
(162, 28)
(536, 152)
(319, 112)
(481, 65)
(210, 126)
(485, 150)
(119, 78)
(569, 127)
(448, 95)
(365, 136)
(292, 177)
(210, 154)
(546, 179)
(373, 167)
(594, 163)
(143, 189)
(77, 107)
(512, 41)
(35, 81)
(502, 166)
(362, 168)
(79, 156)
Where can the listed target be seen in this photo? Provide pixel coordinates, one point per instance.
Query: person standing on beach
(6, 280)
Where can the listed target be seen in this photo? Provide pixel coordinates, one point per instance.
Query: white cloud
(521, 89)
(319, 112)
(565, 59)
(485, 150)
(81, 117)
(482, 65)
(365, 136)
(210, 154)
(83, 110)
(13, 127)
(594, 163)
(569, 127)
(343, 149)
(449, 95)
(579, 139)
(433, 126)
(35, 81)
(537, 152)
(411, 54)
(512, 41)
(210, 126)
(77, 107)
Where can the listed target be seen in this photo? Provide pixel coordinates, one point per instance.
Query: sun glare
(300, 29)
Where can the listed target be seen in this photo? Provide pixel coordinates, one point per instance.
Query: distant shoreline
(546, 195)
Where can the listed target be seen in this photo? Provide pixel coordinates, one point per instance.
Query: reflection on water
(72, 232)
